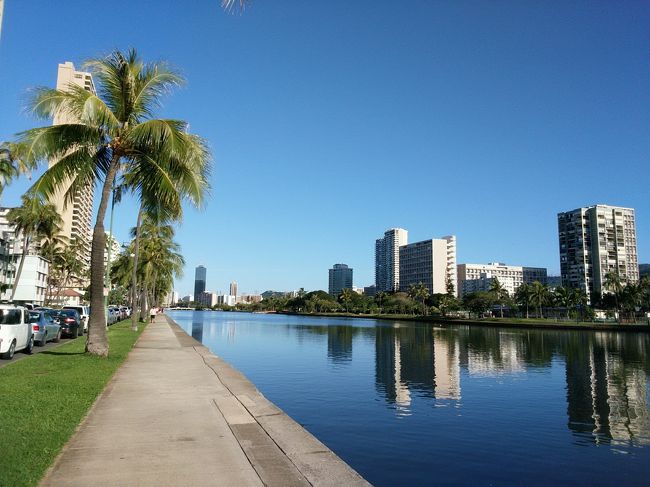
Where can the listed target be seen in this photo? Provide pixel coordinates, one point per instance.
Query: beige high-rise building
(430, 262)
(594, 241)
(77, 215)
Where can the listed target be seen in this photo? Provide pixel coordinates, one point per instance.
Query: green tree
(478, 302)
(614, 284)
(380, 297)
(499, 292)
(346, 297)
(539, 295)
(113, 133)
(523, 296)
(34, 219)
(419, 292)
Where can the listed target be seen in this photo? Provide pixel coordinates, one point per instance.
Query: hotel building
(340, 278)
(479, 277)
(431, 262)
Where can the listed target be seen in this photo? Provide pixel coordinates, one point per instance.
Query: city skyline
(536, 112)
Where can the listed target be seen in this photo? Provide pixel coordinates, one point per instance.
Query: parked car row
(117, 313)
(22, 327)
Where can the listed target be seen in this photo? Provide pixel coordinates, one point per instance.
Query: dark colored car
(70, 322)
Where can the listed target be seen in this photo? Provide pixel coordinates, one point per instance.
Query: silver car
(44, 326)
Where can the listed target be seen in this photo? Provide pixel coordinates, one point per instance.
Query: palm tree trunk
(20, 266)
(144, 304)
(134, 280)
(97, 343)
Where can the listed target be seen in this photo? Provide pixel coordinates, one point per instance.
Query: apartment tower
(199, 281)
(233, 289)
(430, 262)
(387, 255)
(340, 278)
(594, 241)
(77, 215)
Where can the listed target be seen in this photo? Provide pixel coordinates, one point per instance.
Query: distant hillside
(644, 269)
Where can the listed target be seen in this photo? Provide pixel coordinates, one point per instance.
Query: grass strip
(43, 399)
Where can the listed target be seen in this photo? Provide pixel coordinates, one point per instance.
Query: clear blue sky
(331, 121)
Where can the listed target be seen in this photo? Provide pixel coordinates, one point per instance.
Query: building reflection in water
(339, 343)
(607, 398)
(606, 373)
(197, 326)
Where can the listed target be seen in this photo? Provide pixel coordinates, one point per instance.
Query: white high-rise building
(594, 241)
(430, 262)
(387, 266)
(77, 215)
(479, 277)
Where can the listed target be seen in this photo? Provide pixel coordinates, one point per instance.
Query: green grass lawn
(43, 398)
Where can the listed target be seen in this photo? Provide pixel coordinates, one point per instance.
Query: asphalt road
(37, 349)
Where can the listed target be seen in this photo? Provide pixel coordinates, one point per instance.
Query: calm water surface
(419, 404)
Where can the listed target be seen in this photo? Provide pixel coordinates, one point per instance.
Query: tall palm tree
(114, 134)
(522, 296)
(34, 219)
(539, 296)
(346, 297)
(419, 292)
(614, 284)
(565, 298)
(499, 292)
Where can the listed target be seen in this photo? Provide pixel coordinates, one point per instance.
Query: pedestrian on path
(152, 313)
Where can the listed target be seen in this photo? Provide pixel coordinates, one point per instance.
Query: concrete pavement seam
(256, 421)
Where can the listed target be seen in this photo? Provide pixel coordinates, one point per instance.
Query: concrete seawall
(268, 436)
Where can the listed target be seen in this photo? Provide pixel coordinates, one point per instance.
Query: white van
(15, 331)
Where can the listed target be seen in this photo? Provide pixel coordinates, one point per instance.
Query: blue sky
(332, 121)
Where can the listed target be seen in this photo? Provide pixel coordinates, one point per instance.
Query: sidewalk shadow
(54, 352)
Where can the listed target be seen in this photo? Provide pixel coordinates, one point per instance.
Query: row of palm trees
(114, 141)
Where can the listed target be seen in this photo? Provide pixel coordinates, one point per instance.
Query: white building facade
(430, 262)
(479, 277)
(387, 255)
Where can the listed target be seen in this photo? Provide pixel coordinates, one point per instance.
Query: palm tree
(8, 169)
(614, 284)
(419, 292)
(346, 297)
(34, 219)
(114, 134)
(565, 298)
(538, 296)
(499, 293)
(380, 297)
(522, 296)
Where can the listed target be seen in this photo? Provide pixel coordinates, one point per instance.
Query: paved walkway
(174, 414)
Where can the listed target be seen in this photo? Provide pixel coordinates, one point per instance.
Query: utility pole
(2, 7)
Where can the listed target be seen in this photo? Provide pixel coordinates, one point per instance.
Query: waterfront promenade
(175, 414)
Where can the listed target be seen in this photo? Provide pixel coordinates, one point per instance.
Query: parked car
(44, 326)
(124, 312)
(15, 333)
(84, 312)
(70, 322)
(113, 315)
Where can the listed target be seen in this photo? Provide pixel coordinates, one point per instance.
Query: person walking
(152, 313)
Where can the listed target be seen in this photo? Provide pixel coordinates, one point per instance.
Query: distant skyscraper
(594, 241)
(233, 288)
(199, 281)
(340, 278)
(430, 262)
(387, 259)
(77, 215)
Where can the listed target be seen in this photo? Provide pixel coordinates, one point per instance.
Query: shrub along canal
(416, 403)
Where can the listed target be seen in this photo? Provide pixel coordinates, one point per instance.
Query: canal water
(421, 404)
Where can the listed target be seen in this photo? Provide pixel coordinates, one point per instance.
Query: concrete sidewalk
(175, 414)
